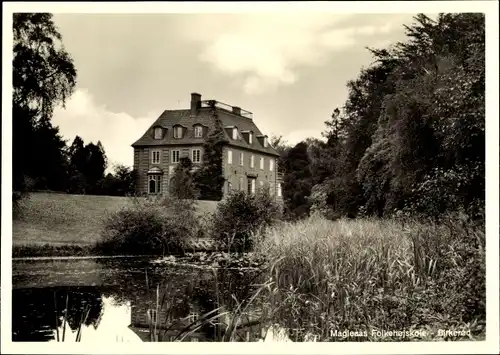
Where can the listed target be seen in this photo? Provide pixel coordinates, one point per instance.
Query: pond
(128, 300)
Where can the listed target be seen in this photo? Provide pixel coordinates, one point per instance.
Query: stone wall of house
(143, 163)
(236, 174)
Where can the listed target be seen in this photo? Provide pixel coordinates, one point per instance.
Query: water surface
(125, 300)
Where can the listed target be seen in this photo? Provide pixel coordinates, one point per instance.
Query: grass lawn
(64, 219)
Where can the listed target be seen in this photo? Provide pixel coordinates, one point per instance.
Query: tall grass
(371, 275)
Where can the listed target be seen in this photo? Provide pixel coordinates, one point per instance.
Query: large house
(249, 161)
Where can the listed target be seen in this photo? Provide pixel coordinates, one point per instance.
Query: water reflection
(126, 300)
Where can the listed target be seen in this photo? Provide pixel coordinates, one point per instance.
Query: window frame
(241, 159)
(156, 130)
(152, 315)
(261, 163)
(178, 132)
(241, 183)
(198, 129)
(252, 161)
(193, 155)
(178, 156)
(153, 160)
(271, 164)
(229, 156)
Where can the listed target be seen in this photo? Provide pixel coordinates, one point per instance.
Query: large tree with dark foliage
(209, 180)
(297, 181)
(87, 166)
(43, 77)
(410, 137)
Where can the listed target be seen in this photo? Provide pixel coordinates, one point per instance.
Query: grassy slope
(62, 219)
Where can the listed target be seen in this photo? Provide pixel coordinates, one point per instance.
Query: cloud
(267, 49)
(92, 122)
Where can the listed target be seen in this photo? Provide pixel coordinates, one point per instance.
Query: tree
(121, 183)
(43, 77)
(282, 147)
(209, 180)
(181, 183)
(87, 166)
(297, 181)
(413, 124)
(96, 164)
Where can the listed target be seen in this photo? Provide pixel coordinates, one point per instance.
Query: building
(249, 161)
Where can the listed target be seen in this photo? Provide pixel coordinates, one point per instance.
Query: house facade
(249, 161)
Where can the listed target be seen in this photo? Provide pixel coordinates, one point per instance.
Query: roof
(170, 118)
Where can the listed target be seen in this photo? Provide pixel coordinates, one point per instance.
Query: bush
(239, 216)
(150, 227)
(375, 274)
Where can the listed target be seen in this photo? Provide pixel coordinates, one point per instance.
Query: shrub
(239, 216)
(149, 227)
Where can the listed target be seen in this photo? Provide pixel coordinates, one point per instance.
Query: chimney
(237, 110)
(195, 103)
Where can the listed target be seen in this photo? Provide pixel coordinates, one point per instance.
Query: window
(250, 138)
(196, 156)
(155, 157)
(158, 133)
(242, 186)
(229, 156)
(279, 189)
(198, 131)
(251, 186)
(241, 159)
(178, 132)
(261, 163)
(175, 156)
(152, 315)
(265, 142)
(235, 133)
(251, 161)
(271, 164)
(154, 184)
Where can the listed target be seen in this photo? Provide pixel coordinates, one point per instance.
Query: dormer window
(198, 131)
(265, 142)
(235, 133)
(250, 138)
(158, 132)
(178, 132)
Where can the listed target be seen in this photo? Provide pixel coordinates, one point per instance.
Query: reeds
(367, 274)
(82, 321)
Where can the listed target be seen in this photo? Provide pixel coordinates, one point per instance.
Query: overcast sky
(290, 70)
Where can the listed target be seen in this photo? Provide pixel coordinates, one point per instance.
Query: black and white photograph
(289, 176)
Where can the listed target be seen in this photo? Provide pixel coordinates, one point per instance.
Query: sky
(289, 69)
